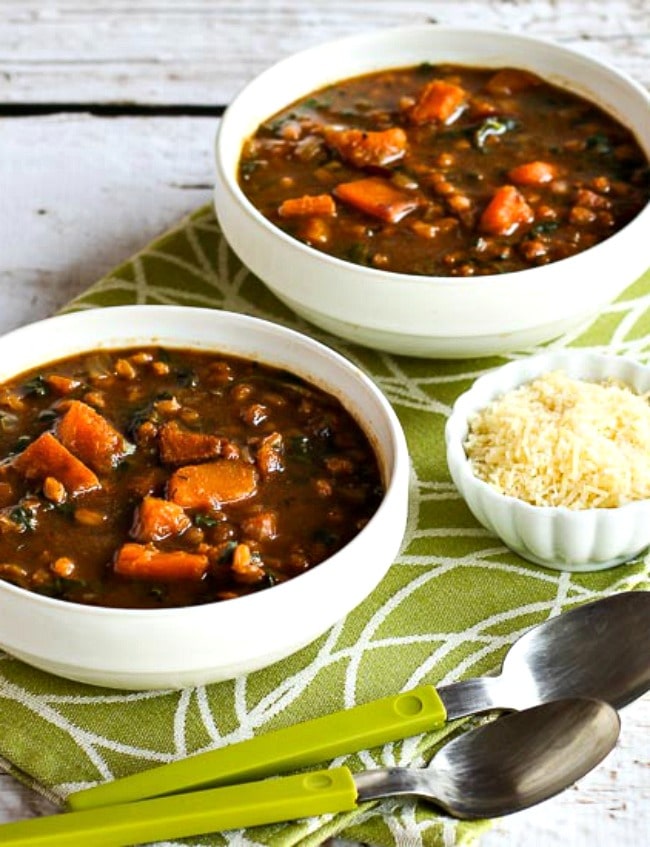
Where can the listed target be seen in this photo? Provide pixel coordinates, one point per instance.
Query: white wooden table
(108, 113)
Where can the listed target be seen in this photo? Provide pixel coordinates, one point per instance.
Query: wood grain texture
(203, 51)
(81, 193)
(85, 194)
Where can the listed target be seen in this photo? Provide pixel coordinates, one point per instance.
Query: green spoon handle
(293, 747)
(196, 813)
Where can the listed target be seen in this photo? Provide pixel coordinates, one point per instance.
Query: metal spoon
(599, 650)
(500, 768)
(509, 764)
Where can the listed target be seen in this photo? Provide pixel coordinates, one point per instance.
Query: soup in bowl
(210, 488)
(439, 191)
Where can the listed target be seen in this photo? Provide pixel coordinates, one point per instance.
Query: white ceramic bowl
(416, 315)
(558, 537)
(177, 647)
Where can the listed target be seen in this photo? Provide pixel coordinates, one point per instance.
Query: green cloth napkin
(451, 604)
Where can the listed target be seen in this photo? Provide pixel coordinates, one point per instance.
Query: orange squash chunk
(505, 212)
(181, 447)
(307, 205)
(316, 230)
(47, 457)
(62, 384)
(366, 148)
(378, 197)
(211, 484)
(91, 437)
(146, 561)
(156, 519)
(438, 102)
(532, 173)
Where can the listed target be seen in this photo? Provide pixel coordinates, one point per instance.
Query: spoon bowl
(590, 651)
(509, 764)
(585, 652)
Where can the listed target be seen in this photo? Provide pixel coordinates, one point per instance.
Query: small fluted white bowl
(557, 537)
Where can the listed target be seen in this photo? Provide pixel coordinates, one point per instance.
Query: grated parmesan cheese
(559, 441)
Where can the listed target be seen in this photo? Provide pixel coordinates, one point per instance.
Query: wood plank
(81, 194)
(18, 802)
(202, 52)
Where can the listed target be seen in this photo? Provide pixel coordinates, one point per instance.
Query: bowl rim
(526, 277)
(394, 468)
(493, 384)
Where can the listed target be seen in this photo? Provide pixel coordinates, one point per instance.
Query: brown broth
(160, 412)
(450, 171)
